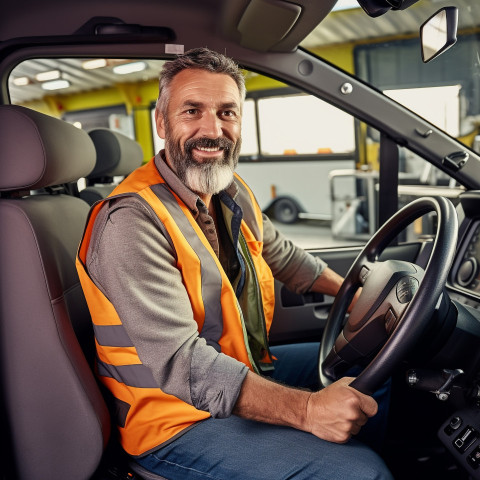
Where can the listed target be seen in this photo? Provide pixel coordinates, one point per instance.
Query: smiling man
(201, 127)
(178, 268)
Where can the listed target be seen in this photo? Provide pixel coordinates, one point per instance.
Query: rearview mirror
(375, 8)
(439, 33)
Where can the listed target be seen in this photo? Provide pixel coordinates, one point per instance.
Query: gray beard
(206, 178)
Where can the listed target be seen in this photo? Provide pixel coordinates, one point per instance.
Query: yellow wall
(339, 55)
(254, 81)
(136, 97)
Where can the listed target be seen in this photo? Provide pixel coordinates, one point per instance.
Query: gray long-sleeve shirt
(132, 262)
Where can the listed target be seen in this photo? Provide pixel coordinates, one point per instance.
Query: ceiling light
(47, 76)
(21, 81)
(95, 63)
(129, 68)
(55, 85)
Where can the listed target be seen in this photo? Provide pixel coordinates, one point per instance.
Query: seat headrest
(38, 151)
(117, 154)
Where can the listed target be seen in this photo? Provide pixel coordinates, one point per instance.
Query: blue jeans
(237, 449)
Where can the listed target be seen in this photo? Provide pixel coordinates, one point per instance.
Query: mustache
(220, 142)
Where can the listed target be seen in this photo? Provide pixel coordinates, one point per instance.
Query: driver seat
(55, 418)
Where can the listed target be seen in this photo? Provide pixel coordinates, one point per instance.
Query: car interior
(420, 323)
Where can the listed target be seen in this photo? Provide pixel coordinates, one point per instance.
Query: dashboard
(468, 273)
(464, 281)
(460, 433)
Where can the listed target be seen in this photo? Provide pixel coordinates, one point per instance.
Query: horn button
(386, 293)
(406, 289)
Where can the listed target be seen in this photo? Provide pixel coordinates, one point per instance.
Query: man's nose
(211, 126)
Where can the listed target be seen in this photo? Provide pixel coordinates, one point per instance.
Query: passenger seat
(117, 156)
(55, 422)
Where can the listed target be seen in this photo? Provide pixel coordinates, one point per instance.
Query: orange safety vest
(151, 416)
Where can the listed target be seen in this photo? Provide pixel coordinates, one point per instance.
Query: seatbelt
(388, 179)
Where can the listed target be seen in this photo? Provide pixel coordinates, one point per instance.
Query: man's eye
(229, 113)
(192, 111)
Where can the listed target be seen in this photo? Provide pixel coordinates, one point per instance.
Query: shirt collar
(188, 197)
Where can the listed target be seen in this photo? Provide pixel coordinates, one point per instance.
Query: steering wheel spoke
(334, 365)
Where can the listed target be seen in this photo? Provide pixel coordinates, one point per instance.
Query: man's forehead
(194, 85)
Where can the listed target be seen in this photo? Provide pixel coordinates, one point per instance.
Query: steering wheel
(395, 305)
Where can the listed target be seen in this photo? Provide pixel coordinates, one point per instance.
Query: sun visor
(258, 34)
(273, 25)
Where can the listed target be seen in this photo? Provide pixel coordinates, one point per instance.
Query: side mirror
(439, 33)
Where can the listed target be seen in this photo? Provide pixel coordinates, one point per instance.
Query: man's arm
(335, 413)
(291, 265)
(329, 282)
(296, 268)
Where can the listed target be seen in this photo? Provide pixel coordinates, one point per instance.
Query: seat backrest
(57, 420)
(117, 156)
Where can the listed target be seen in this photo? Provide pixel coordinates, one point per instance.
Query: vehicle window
(249, 129)
(439, 105)
(297, 124)
(313, 168)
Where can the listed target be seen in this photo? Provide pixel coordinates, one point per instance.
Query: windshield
(385, 52)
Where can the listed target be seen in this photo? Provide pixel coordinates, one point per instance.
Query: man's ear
(160, 123)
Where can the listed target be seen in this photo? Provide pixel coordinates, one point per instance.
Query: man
(177, 269)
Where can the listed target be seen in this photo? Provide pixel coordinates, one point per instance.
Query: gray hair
(200, 59)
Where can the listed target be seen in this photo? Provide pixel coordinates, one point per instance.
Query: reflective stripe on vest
(211, 279)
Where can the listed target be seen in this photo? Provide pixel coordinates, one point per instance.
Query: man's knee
(367, 465)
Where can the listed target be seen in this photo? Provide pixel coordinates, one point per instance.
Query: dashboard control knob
(467, 271)
(455, 422)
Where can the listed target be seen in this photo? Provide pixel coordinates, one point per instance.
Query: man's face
(202, 129)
